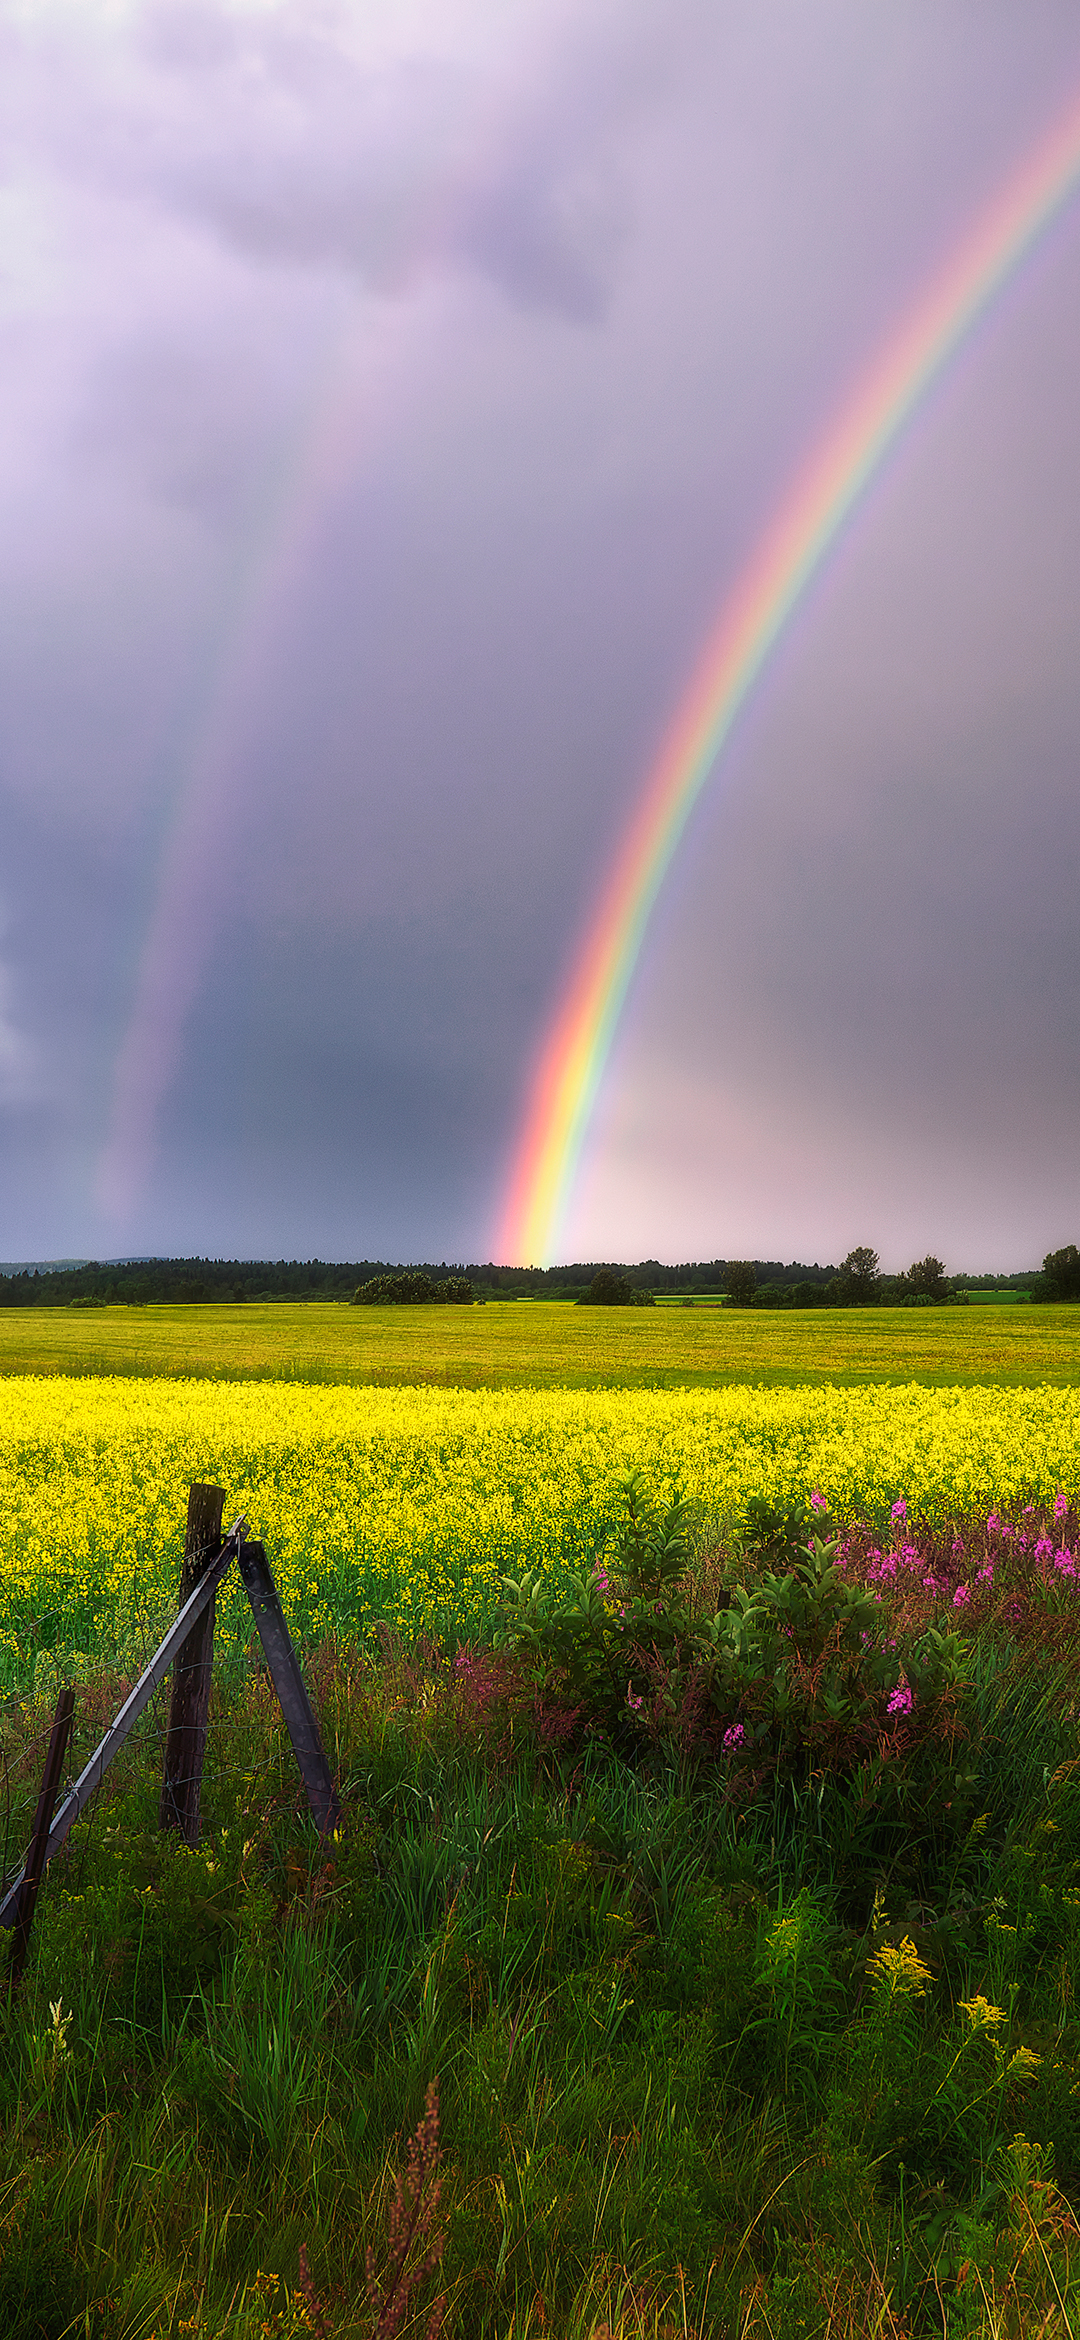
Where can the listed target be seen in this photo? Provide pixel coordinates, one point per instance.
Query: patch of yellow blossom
(899, 1972)
(410, 1504)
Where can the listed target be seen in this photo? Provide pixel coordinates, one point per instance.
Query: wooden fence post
(186, 1741)
(284, 1669)
(38, 1853)
(123, 1723)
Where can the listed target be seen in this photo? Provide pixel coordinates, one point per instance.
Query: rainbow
(577, 1046)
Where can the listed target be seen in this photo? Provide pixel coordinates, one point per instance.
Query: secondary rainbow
(792, 549)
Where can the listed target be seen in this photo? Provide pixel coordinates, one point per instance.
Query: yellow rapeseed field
(410, 1504)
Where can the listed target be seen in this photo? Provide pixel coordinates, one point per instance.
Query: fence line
(188, 1648)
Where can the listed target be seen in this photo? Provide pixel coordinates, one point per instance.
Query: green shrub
(413, 1288)
(609, 1290)
(797, 1665)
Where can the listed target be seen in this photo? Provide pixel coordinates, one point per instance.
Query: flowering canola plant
(410, 1504)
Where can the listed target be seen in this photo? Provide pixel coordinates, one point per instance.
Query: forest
(759, 1283)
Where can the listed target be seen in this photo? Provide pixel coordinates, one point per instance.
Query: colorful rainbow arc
(808, 523)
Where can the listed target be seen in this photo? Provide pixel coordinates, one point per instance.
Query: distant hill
(41, 1267)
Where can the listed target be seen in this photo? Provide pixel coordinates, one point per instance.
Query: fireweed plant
(802, 1662)
(848, 1684)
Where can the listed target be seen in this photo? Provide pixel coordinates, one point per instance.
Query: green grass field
(797, 2063)
(768, 2035)
(548, 1345)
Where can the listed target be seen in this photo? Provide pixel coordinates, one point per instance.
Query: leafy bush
(740, 1282)
(608, 1290)
(413, 1287)
(796, 1666)
(1060, 1278)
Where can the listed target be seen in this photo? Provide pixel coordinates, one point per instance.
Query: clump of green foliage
(609, 1289)
(740, 1282)
(414, 1288)
(1060, 1277)
(798, 1668)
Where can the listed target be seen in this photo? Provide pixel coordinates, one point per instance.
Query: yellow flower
(981, 2015)
(899, 1970)
(410, 1504)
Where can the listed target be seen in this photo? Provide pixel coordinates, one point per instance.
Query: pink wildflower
(901, 1701)
(1065, 1562)
(1061, 1504)
(961, 1596)
(635, 1704)
(818, 1501)
(899, 1509)
(733, 1738)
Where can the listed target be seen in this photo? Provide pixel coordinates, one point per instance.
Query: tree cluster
(1060, 1278)
(608, 1290)
(856, 1283)
(412, 1289)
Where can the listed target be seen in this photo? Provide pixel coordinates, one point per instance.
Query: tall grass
(707, 2062)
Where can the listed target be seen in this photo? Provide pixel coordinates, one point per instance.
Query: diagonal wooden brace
(137, 1698)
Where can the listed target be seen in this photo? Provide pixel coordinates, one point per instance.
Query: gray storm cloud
(388, 401)
(309, 138)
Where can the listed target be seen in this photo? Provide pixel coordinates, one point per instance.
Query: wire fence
(51, 1771)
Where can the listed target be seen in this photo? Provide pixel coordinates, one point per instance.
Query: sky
(390, 395)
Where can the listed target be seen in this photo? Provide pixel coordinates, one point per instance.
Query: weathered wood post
(123, 1723)
(185, 1744)
(284, 1669)
(38, 1853)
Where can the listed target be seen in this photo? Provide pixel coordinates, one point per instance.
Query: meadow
(699, 1953)
(548, 1345)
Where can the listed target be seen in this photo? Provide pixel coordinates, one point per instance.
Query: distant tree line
(856, 1282)
(140, 1281)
